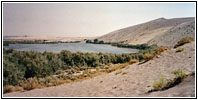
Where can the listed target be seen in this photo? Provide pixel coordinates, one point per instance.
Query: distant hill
(153, 32)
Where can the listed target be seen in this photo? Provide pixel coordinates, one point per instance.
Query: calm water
(73, 47)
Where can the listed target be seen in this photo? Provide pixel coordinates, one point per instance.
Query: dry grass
(8, 88)
(126, 72)
(58, 82)
(133, 61)
(118, 72)
(161, 49)
(184, 41)
(148, 57)
(116, 67)
(18, 88)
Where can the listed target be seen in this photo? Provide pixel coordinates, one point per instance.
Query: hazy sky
(84, 19)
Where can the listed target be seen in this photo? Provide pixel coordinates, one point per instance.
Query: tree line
(120, 44)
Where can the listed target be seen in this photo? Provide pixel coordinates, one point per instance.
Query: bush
(30, 83)
(184, 41)
(160, 84)
(180, 50)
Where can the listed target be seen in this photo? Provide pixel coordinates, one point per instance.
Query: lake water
(73, 47)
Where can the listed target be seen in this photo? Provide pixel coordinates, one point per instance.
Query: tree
(95, 41)
(101, 42)
(88, 41)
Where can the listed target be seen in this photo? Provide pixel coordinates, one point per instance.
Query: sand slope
(143, 33)
(135, 83)
(172, 36)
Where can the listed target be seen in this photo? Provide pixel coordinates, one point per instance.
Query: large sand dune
(154, 31)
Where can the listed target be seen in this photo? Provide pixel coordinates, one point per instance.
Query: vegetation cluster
(184, 41)
(164, 83)
(30, 69)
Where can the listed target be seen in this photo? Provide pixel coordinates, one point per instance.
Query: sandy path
(136, 82)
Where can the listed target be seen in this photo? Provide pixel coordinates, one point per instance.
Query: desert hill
(152, 31)
(172, 36)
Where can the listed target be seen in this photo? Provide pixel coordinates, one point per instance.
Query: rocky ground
(133, 81)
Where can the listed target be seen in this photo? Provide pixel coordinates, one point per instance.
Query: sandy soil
(135, 83)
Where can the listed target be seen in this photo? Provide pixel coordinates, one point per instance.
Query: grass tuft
(180, 73)
(160, 84)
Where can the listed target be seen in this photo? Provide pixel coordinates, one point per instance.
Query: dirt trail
(135, 83)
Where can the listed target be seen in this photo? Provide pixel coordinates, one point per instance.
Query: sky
(84, 19)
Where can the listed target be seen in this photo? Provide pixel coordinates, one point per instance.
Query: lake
(73, 47)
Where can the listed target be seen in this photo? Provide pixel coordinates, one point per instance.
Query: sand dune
(152, 31)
